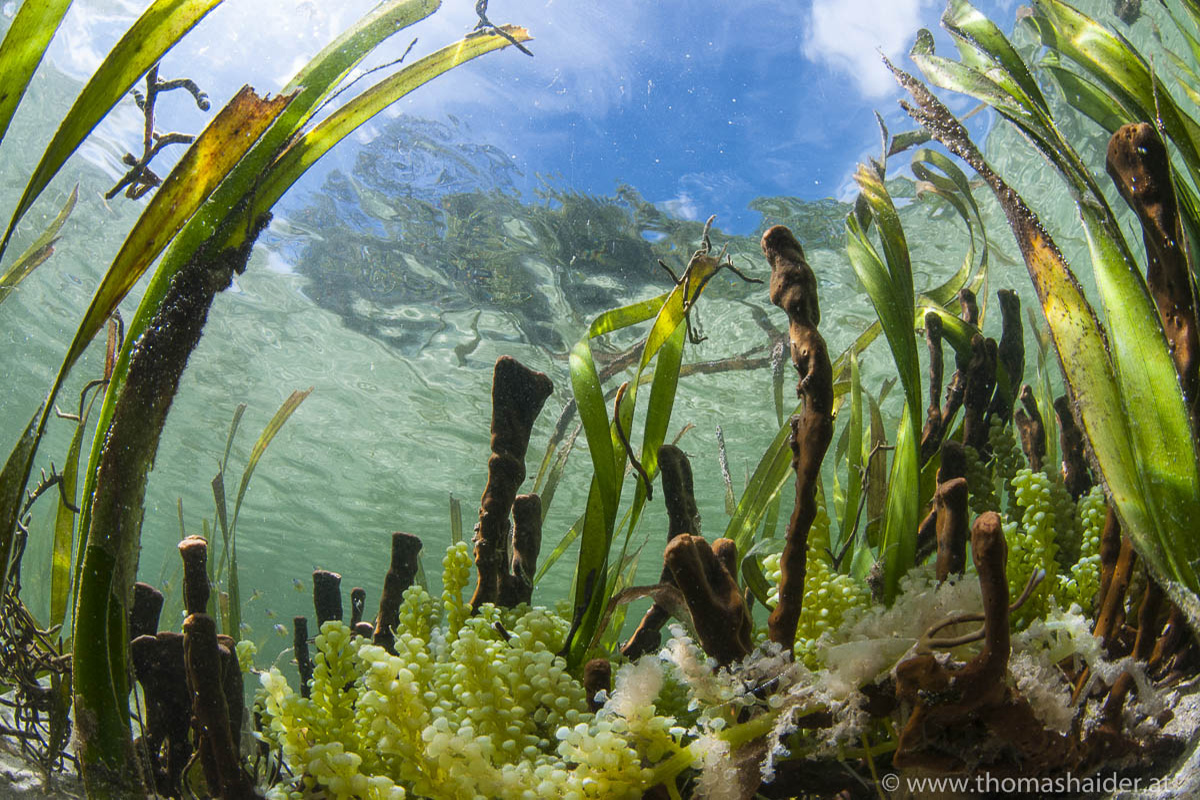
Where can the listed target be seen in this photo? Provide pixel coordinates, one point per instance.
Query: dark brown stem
(1010, 353)
(931, 436)
(682, 517)
(210, 713)
(712, 596)
(1112, 608)
(597, 677)
(950, 504)
(1074, 464)
(956, 388)
(300, 649)
(953, 465)
(147, 605)
(518, 394)
(947, 701)
(517, 587)
(977, 395)
(194, 551)
(358, 603)
(794, 289)
(1110, 553)
(406, 553)
(327, 596)
(159, 668)
(1143, 649)
(990, 554)
(1031, 429)
(969, 307)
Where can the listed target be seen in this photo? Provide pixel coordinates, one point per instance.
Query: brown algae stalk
(518, 394)
(682, 517)
(406, 552)
(712, 595)
(794, 289)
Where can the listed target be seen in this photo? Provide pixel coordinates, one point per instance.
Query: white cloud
(847, 35)
(681, 206)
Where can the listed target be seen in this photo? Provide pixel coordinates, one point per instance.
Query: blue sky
(701, 105)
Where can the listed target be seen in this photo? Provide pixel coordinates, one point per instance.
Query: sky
(701, 105)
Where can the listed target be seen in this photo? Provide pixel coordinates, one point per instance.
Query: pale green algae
(481, 706)
(1041, 520)
(459, 711)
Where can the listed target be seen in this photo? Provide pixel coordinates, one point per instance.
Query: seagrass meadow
(839, 498)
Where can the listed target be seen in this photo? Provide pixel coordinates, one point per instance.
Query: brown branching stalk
(692, 286)
(140, 179)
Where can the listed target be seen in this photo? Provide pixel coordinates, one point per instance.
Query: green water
(436, 283)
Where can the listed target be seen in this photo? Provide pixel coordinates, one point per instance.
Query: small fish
(298, 584)
(244, 627)
(255, 595)
(270, 614)
(280, 630)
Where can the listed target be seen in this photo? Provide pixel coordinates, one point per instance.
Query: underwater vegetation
(990, 574)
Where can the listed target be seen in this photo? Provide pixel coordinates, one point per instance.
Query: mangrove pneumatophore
(934, 430)
(217, 708)
(517, 587)
(518, 394)
(794, 289)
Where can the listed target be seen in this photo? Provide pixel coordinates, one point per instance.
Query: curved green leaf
(1109, 59)
(311, 86)
(65, 537)
(976, 34)
(315, 143)
(1122, 383)
(24, 45)
(891, 293)
(37, 253)
(154, 33)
